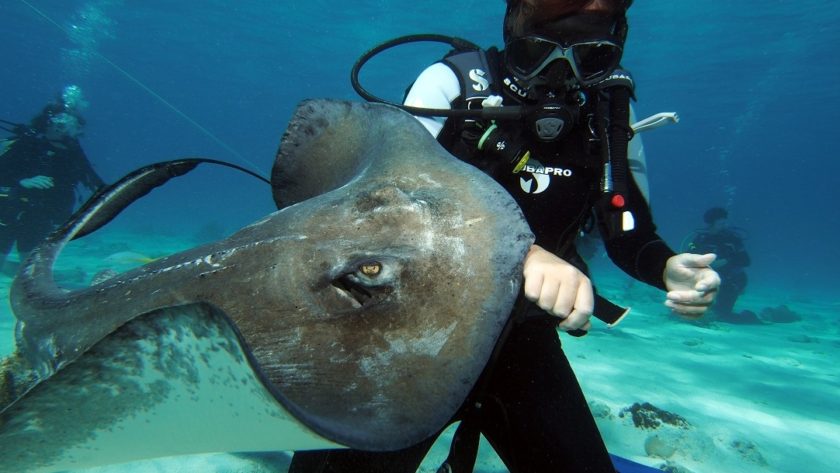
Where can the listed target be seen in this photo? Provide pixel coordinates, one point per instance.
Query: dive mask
(590, 43)
(589, 61)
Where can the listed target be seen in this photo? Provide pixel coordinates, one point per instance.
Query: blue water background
(754, 82)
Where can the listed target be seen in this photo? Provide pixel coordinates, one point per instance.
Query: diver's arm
(436, 87)
(689, 280)
(641, 253)
(82, 168)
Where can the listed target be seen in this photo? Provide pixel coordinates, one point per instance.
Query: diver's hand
(558, 288)
(37, 182)
(691, 282)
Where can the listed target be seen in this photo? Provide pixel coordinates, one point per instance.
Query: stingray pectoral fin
(170, 382)
(323, 148)
(330, 143)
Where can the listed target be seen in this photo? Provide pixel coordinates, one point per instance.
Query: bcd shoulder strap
(475, 71)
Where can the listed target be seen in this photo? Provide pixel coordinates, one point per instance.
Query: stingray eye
(366, 282)
(371, 269)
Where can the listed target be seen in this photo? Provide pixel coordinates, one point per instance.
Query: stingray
(358, 315)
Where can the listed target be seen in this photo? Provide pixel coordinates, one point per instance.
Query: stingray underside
(170, 382)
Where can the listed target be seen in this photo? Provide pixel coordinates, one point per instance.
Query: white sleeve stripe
(436, 87)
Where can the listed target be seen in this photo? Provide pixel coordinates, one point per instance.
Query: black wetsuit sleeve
(88, 176)
(78, 168)
(641, 253)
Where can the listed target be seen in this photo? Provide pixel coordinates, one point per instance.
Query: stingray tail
(108, 202)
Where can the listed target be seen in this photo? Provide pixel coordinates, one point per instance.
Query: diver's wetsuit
(28, 215)
(728, 245)
(532, 409)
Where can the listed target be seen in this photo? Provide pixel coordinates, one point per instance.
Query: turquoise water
(753, 82)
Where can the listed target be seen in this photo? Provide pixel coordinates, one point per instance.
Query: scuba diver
(42, 167)
(563, 156)
(732, 257)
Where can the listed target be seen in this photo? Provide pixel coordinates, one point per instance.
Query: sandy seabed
(686, 396)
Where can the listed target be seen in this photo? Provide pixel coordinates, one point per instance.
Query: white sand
(758, 398)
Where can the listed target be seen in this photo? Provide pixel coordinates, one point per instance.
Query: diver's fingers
(692, 304)
(707, 259)
(552, 298)
(533, 286)
(585, 297)
(547, 293)
(575, 292)
(584, 302)
(691, 297)
(691, 260)
(565, 298)
(576, 320)
(685, 310)
(708, 281)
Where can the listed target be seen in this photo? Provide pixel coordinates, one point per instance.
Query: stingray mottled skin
(365, 308)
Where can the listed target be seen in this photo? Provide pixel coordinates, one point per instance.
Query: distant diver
(728, 244)
(42, 172)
